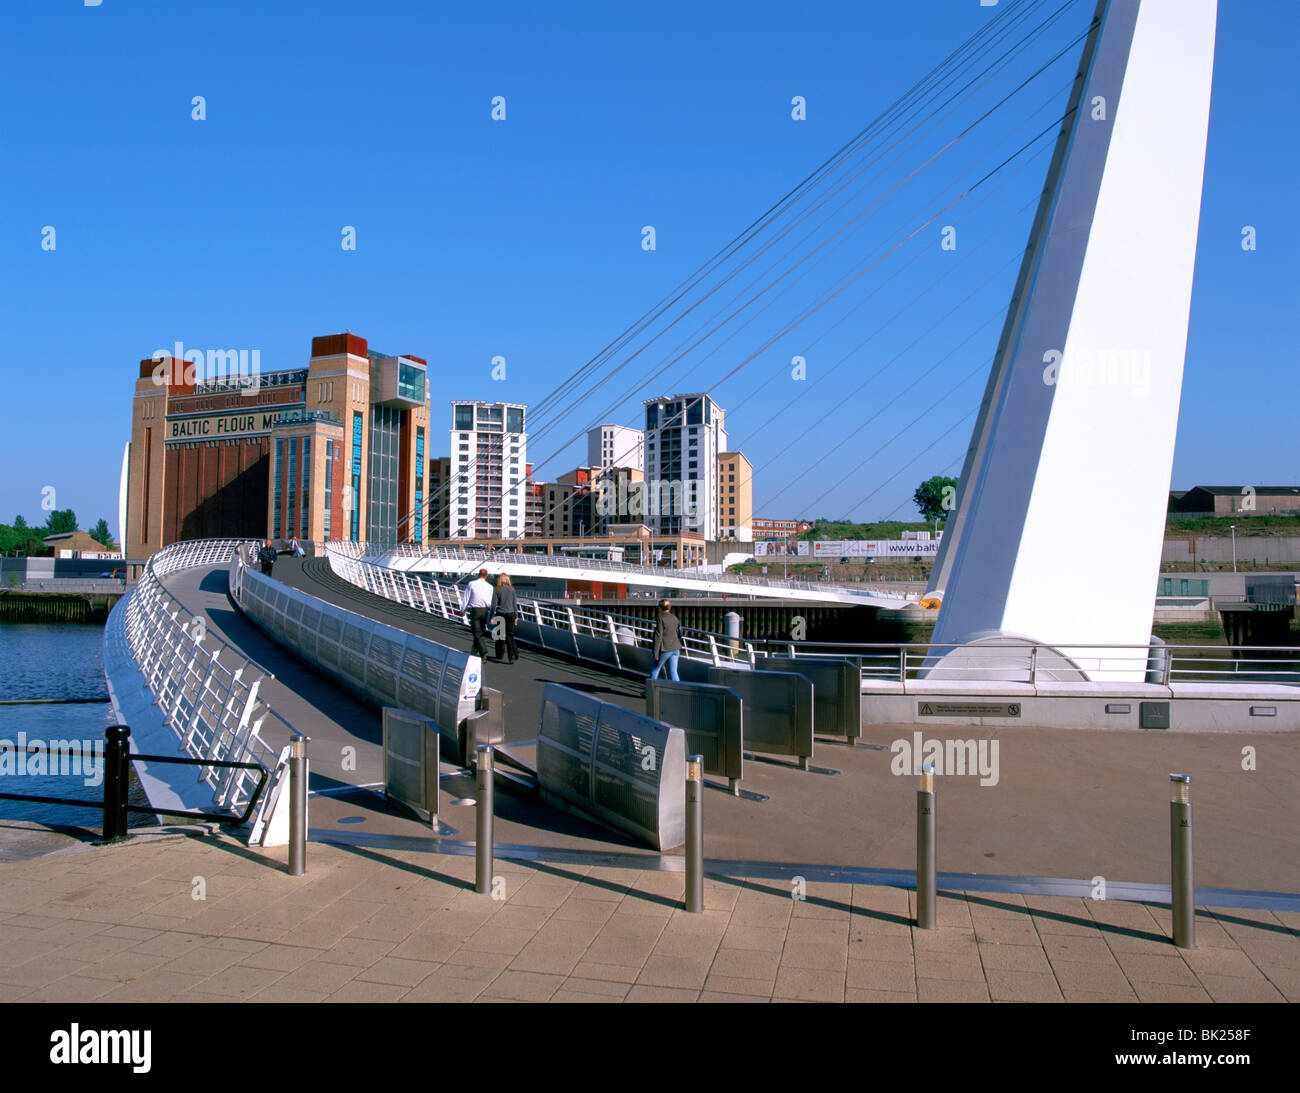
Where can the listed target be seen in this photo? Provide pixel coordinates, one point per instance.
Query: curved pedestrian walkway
(1077, 804)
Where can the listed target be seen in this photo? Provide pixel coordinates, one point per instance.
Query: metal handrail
(207, 689)
(375, 551)
(1174, 663)
(254, 797)
(425, 593)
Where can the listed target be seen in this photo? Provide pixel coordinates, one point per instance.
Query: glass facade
(381, 483)
(293, 482)
(306, 488)
(278, 477)
(410, 382)
(329, 487)
(464, 417)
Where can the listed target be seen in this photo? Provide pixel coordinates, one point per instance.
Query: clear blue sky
(522, 238)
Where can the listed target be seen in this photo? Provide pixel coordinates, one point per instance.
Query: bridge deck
(1112, 786)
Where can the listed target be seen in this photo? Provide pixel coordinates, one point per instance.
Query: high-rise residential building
(489, 458)
(439, 495)
(735, 497)
(336, 450)
(615, 446)
(618, 495)
(534, 505)
(684, 435)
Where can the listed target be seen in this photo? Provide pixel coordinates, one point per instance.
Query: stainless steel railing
(1026, 663)
(378, 551)
(207, 690)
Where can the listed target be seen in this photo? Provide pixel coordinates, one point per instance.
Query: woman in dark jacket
(668, 641)
(503, 604)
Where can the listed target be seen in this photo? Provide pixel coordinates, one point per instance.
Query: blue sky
(523, 238)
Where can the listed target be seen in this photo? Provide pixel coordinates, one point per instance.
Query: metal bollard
(483, 821)
(117, 761)
(694, 833)
(298, 805)
(926, 878)
(1182, 891)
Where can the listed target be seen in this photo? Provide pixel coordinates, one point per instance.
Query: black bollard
(117, 760)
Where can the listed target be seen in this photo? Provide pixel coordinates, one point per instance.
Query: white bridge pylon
(464, 562)
(1081, 409)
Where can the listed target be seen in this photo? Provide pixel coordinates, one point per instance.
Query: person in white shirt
(476, 603)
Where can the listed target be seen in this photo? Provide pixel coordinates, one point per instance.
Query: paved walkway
(123, 924)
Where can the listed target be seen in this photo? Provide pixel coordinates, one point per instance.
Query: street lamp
(1233, 529)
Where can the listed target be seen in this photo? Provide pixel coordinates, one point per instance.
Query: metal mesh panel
(381, 664)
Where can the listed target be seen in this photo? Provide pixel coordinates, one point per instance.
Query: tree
(101, 534)
(19, 539)
(935, 497)
(60, 522)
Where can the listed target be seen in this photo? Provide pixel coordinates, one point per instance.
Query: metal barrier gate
(615, 766)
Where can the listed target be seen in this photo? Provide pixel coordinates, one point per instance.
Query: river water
(60, 661)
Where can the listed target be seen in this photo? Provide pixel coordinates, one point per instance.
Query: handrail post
(298, 805)
(902, 664)
(613, 640)
(117, 760)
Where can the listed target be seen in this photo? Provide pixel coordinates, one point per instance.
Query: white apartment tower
(684, 435)
(610, 446)
(488, 472)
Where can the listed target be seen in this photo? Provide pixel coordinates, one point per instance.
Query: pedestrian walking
(503, 604)
(667, 642)
(267, 557)
(476, 603)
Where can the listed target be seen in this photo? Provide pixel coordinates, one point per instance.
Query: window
(279, 470)
(410, 382)
(293, 483)
(306, 486)
(464, 418)
(329, 487)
